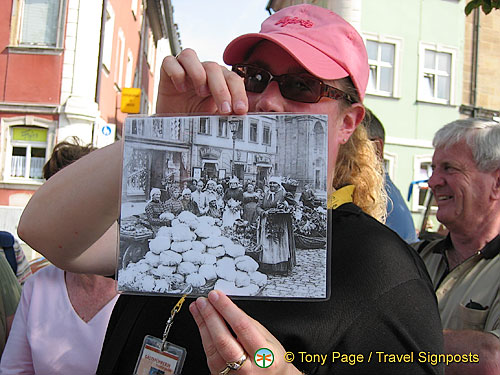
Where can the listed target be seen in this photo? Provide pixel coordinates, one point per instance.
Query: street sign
(131, 100)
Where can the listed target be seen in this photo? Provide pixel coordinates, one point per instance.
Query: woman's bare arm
(80, 204)
(71, 219)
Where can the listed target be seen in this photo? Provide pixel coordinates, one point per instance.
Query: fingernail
(213, 296)
(201, 302)
(193, 308)
(226, 107)
(239, 105)
(204, 91)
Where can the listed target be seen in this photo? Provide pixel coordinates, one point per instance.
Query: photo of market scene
(232, 203)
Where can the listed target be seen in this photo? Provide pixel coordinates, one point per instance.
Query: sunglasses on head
(299, 87)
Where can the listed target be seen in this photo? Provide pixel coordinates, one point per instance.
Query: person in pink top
(61, 319)
(49, 334)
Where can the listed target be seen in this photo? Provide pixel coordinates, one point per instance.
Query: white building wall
(79, 76)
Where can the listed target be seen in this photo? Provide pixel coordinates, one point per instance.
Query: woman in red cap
(382, 304)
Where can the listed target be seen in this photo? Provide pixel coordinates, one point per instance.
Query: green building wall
(410, 124)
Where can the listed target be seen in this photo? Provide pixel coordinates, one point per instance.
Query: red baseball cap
(320, 40)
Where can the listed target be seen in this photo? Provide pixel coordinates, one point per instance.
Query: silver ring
(236, 365)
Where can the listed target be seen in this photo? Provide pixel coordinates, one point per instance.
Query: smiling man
(465, 266)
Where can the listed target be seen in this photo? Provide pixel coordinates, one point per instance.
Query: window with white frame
(129, 73)
(240, 130)
(383, 58)
(266, 134)
(109, 29)
(120, 53)
(204, 126)
(254, 128)
(389, 163)
(436, 73)
(40, 23)
(223, 127)
(28, 149)
(133, 7)
(420, 189)
(151, 50)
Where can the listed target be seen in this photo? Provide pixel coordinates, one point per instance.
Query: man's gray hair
(482, 136)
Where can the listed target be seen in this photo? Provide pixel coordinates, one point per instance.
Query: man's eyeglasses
(300, 87)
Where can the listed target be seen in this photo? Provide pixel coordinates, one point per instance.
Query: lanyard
(170, 320)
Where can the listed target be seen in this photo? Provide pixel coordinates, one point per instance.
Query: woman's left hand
(221, 347)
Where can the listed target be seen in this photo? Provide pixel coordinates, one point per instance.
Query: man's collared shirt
(469, 295)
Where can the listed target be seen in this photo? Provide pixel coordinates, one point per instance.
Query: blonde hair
(357, 164)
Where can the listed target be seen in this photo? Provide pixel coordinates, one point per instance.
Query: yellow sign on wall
(22, 133)
(131, 100)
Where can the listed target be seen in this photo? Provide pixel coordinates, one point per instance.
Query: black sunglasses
(300, 87)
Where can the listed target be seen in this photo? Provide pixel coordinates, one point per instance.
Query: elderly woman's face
(277, 61)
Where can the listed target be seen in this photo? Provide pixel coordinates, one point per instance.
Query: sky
(207, 26)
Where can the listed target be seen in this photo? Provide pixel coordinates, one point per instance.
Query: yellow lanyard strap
(170, 320)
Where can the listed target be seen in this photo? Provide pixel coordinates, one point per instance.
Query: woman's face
(233, 185)
(273, 186)
(250, 188)
(342, 121)
(220, 189)
(176, 193)
(156, 196)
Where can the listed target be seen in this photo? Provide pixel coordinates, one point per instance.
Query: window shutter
(40, 22)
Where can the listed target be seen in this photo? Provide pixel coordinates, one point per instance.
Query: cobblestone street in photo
(307, 279)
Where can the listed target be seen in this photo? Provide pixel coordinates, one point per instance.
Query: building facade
(63, 68)
(481, 88)
(416, 58)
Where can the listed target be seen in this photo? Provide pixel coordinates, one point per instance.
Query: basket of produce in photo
(254, 252)
(290, 185)
(305, 242)
(310, 228)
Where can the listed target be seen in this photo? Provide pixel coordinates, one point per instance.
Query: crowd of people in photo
(263, 210)
(227, 200)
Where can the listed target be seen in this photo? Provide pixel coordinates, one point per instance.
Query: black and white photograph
(232, 203)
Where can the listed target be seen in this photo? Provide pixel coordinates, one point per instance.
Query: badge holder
(158, 356)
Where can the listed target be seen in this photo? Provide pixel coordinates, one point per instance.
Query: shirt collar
(489, 251)
(492, 248)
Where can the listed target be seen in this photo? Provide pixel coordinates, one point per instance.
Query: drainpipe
(140, 57)
(475, 59)
(101, 46)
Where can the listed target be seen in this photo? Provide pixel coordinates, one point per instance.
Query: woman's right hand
(190, 86)
(213, 315)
